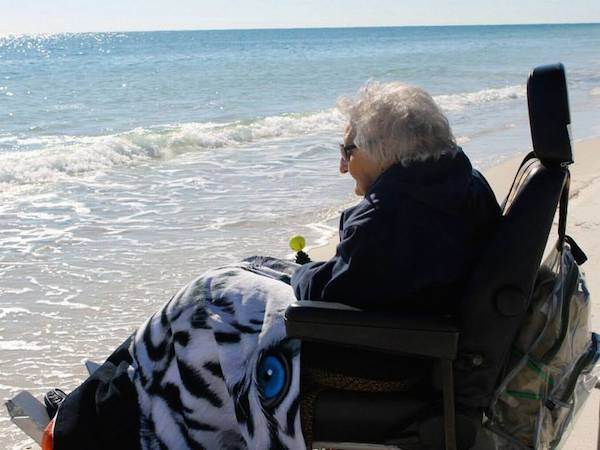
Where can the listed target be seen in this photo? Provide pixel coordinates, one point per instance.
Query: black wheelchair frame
(470, 349)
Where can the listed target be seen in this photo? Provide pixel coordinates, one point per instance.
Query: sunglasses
(346, 150)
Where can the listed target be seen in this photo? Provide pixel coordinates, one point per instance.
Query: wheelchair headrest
(549, 115)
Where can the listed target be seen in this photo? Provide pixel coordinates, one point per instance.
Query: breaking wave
(51, 158)
(459, 102)
(45, 159)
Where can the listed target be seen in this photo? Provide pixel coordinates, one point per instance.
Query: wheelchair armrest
(339, 324)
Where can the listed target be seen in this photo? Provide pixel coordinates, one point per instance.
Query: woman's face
(361, 167)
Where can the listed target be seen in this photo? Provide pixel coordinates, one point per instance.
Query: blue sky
(51, 16)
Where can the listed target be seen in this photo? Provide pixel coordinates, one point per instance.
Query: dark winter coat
(410, 244)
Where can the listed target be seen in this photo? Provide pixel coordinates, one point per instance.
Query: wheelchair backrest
(500, 288)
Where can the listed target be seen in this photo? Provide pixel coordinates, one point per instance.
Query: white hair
(397, 123)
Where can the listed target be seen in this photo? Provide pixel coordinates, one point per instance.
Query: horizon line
(334, 27)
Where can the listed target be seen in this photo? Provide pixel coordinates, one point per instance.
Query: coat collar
(442, 183)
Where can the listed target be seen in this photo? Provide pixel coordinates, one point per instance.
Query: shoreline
(584, 226)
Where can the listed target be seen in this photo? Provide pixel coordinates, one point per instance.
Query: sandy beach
(584, 227)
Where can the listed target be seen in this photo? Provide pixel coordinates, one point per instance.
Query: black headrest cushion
(549, 115)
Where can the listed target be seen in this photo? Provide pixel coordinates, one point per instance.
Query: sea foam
(53, 158)
(46, 159)
(22, 345)
(4, 312)
(459, 102)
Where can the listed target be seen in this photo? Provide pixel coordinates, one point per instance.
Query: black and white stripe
(194, 363)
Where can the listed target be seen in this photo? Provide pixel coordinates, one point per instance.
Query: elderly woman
(411, 241)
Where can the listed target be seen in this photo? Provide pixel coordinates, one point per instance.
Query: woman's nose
(343, 166)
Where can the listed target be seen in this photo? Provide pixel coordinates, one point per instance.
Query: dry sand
(584, 226)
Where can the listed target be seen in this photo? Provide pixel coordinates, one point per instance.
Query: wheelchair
(470, 350)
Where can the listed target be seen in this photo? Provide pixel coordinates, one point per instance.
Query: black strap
(563, 209)
(578, 254)
(529, 156)
(562, 213)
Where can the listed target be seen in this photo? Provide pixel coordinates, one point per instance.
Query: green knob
(297, 243)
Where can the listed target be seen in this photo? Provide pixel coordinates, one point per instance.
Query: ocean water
(131, 162)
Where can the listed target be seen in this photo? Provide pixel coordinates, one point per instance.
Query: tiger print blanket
(213, 368)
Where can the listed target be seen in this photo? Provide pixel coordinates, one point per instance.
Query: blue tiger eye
(272, 376)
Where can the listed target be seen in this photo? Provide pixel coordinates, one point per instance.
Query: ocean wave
(43, 159)
(4, 312)
(595, 91)
(462, 140)
(53, 158)
(22, 345)
(459, 102)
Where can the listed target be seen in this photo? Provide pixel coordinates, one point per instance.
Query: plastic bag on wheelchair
(554, 361)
